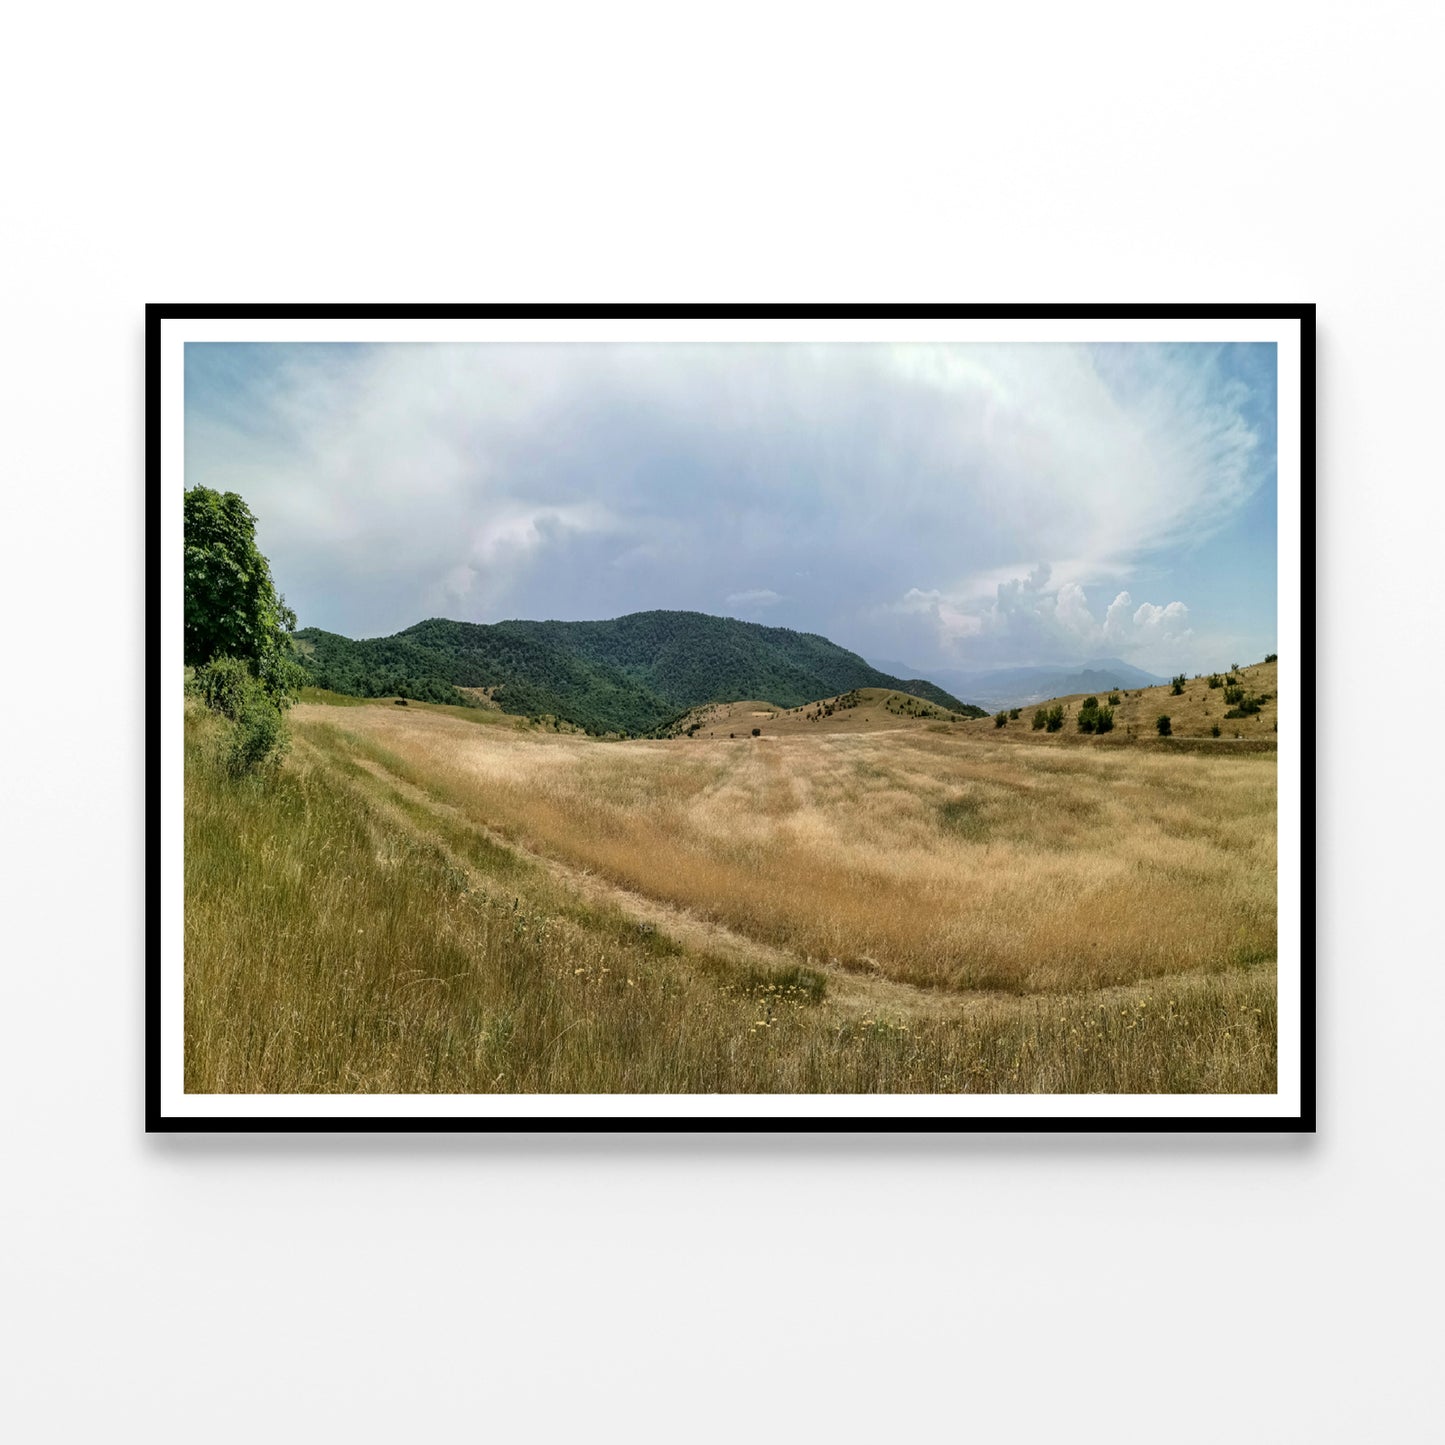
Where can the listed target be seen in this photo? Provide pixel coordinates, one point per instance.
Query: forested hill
(631, 674)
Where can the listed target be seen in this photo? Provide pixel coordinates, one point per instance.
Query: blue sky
(945, 506)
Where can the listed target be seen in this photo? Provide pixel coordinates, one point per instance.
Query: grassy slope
(632, 674)
(864, 709)
(340, 938)
(1191, 715)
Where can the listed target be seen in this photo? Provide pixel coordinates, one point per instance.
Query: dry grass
(864, 710)
(345, 933)
(1191, 714)
(951, 861)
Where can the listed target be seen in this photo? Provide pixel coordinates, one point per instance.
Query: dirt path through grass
(434, 822)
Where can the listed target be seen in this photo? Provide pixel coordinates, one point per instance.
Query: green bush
(1214, 730)
(1271, 657)
(1113, 699)
(1000, 719)
(1176, 685)
(1013, 713)
(1105, 722)
(260, 735)
(1215, 680)
(224, 683)
(1040, 718)
(1054, 718)
(1165, 727)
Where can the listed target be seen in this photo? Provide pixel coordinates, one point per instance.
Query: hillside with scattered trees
(631, 674)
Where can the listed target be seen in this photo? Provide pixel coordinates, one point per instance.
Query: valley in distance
(681, 853)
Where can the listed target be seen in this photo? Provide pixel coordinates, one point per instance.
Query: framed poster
(745, 718)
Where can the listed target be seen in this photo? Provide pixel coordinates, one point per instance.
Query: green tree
(237, 629)
(232, 608)
(1165, 727)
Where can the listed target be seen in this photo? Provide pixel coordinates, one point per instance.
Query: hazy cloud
(753, 599)
(941, 504)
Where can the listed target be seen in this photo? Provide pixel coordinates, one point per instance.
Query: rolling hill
(1193, 713)
(630, 674)
(860, 710)
(1019, 686)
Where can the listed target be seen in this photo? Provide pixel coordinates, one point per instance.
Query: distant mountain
(631, 674)
(1018, 686)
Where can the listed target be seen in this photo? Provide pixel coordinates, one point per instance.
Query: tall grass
(946, 862)
(337, 943)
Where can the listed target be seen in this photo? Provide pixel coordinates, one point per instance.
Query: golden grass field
(1191, 714)
(421, 900)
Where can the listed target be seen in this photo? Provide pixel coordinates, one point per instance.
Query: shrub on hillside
(1040, 718)
(757, 732)
(1054, 718)
(1271, 657)
(1113, 699)
(1165, 727)
(1176, 685)
(260, 735)
(1000, 719)
(1214, 730)
(1105, 722)
(1215, 680)
(223, 684)
(1013, 713)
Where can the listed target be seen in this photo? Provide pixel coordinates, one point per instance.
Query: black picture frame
(158, 1118)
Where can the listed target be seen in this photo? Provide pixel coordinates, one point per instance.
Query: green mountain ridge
(631, 674)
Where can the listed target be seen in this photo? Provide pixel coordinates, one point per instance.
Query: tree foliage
(237, 628)
(634, 673)
(232, 608)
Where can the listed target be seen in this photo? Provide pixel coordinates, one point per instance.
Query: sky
(944, 506)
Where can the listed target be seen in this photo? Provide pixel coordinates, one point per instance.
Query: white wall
(215, 1289)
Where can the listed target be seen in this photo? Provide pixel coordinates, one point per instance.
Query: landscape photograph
(854, 720)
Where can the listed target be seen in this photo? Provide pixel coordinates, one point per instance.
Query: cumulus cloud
(907, 493)
(1037, 618)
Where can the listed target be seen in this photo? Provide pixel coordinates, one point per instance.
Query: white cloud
(1036, 618)
(753, 598)
(907, 493)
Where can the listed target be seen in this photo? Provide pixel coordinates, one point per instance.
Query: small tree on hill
(1164, 726)
(1000, 719)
